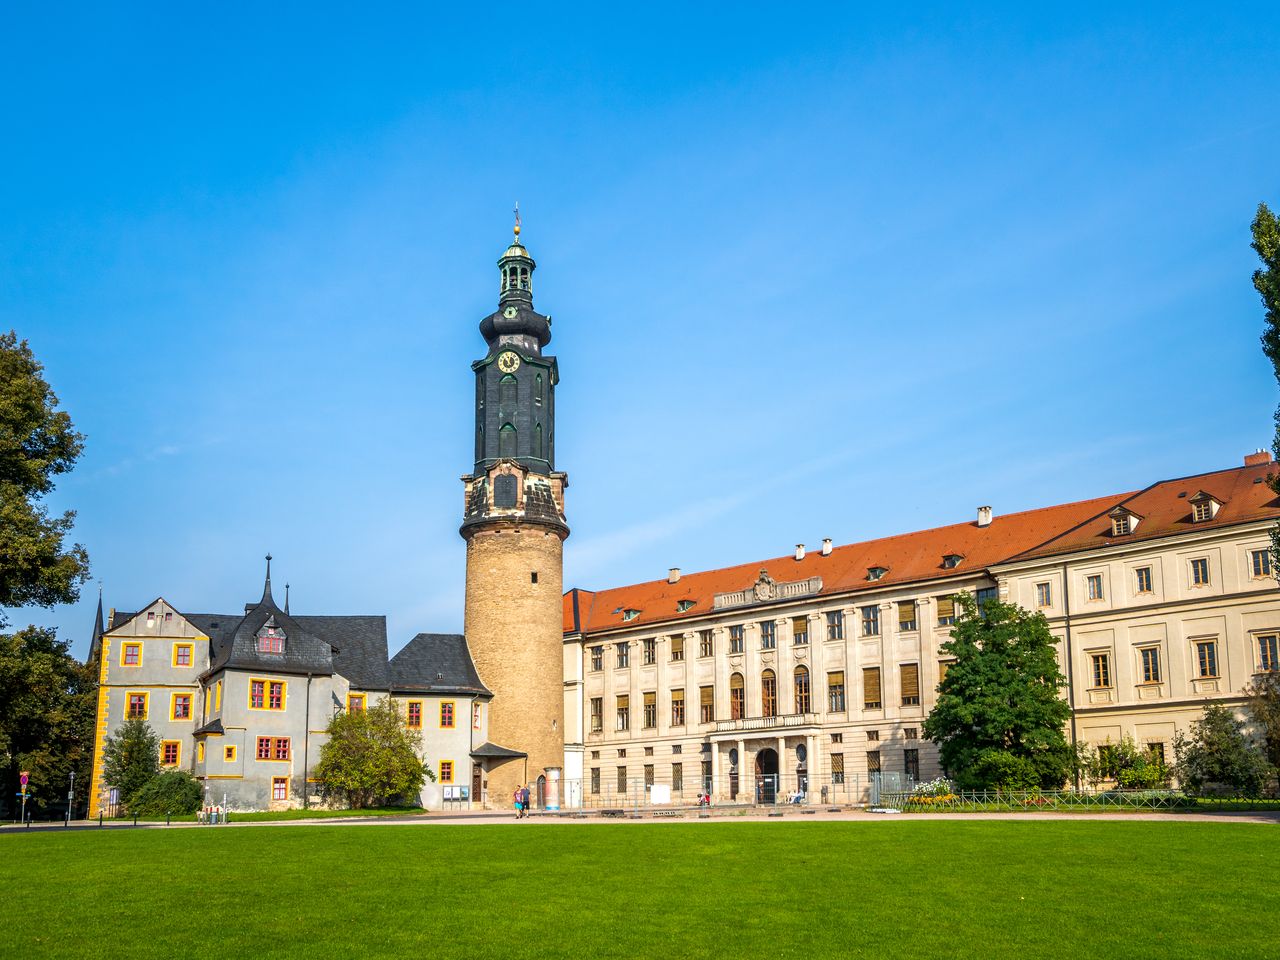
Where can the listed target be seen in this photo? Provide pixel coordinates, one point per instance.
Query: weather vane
(517, 213)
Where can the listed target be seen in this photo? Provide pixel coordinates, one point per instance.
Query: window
(1207, 657)
(1150, 664)
(943, 667)
(768, 694)
(624, 655)
(650, 651)
(622, 753)
(907, 616)
(182, 654)
(683, 605)
(803, 703)
(131, 655)
(984, 595)
(533, 574)
(624, 712)
(217, 698)
(200, 752)
(272, 748)
(677, 748)
(837, 738)
(768, 635)
(799, 631)
(622, 779)
(737, 697)
(837, 768)
(677, 708)
(595, 780)
(257, 694)
(446, 771)
(875, 573)
(706, 645)
(275, 695)
(597, 658)
(271, 639)
(137, 706)
(873, 761)
(229, 754)
(1120, 525)
(677, 778)
(415, 714)
(910, 733)
(279, 788)
(1156, 749)
(507, 440)
(1202, 511)
(706, 704)
(946, 611)
(951, 561)
(1199, 572)
(648, 774)
(871, 688)
(169, 751)
(735, 639)
(1261, 563)
(1093, 586)
(911, 763)
(597, 714)
(873, 736)
(677, 647)
(835, 625)
(446, 715)
(706, 775)
(871, 621)
(1268, 660)
(910, 674)
(629, 614)
(835, 691)
(355, 702)
(650, 715)
(180, 707)
(1101, 665)
(1142, 580)
(1044, 594)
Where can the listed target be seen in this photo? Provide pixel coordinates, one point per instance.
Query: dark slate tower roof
(436, 663)
(95, 642)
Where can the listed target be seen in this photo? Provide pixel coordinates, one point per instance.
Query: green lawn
(887, 889)
(315, 813)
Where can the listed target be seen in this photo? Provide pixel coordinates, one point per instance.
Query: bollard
(135, 819)
(100, 823)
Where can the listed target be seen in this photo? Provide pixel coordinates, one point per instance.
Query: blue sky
(828, 272)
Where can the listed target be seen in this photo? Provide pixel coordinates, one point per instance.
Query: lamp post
(71, 797)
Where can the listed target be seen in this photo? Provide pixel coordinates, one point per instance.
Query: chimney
(826, 546)
(673, 575)
(1257, 458)
(984, 516)
(799, 551)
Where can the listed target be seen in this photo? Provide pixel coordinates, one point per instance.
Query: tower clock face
(511, 312)
(508, 362)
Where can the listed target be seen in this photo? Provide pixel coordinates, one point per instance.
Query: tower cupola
(515, 269)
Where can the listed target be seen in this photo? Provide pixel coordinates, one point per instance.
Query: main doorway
(767, 776)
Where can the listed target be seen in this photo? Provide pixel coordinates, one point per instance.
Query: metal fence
(771, 790)
(1005, 801)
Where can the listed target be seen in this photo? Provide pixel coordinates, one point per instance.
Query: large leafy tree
(1000, 717)
(1264, 709)
(1219, 757)
(131, 759)
(37, 443)
(47, 705)
(371, 758)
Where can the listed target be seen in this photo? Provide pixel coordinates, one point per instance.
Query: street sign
(23, 777)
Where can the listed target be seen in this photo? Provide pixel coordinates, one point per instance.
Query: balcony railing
(767, 723)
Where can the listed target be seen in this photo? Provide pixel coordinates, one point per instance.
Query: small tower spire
(266, 587)
(286, 598)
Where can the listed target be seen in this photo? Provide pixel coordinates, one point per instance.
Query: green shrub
(172, 792)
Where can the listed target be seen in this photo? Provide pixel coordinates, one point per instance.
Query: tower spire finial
(266, 587)
(516, 228)
(286, 598)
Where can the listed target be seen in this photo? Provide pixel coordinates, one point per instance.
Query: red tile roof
(913, 557)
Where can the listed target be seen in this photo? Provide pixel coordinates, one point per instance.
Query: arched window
(507, 387)
(524, 278)
(537, 440)
(507, 441)
(737, 697)
(768, 694)
(803, 702)
(537, 390)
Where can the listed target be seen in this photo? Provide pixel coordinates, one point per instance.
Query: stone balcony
(758, 724)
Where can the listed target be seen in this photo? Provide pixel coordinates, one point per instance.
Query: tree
(371, 758)
(48, 700)
(1264, 708)
(1219, 758)
(37, 443)
(130, 759)
(172, 792)
(1130, 766)
(999, 718)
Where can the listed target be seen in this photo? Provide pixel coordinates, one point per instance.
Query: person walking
(524, 799)
(517, 797)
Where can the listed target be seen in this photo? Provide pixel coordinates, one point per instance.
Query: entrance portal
(767, 776)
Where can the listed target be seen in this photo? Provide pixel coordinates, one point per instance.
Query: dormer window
(951, 560)
(629, 615)
(683, 605)
(1123, 522)
(1204, 507)
(271, 638)
(875, 573)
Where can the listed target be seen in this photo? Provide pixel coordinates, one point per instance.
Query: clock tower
(514, 526)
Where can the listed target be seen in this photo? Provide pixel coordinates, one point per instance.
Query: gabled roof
(436, 663)
(909, 558)
(1165, 509)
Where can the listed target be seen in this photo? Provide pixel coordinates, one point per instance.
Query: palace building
(808, 675)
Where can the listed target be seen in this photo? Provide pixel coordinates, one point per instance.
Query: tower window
(504, 491)
(537, 440)
(507, 441)
(537, 393)
(507, 392)
(533, 576)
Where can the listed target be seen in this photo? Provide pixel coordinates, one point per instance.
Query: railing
(1000, 801)
(766, 723)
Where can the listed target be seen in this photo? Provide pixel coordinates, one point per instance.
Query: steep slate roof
(1165, 509)
(436, 663)
(359, 648)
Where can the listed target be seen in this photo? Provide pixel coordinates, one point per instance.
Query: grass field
(885, 890)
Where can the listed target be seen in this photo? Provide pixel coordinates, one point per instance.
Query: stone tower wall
(515, 633)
